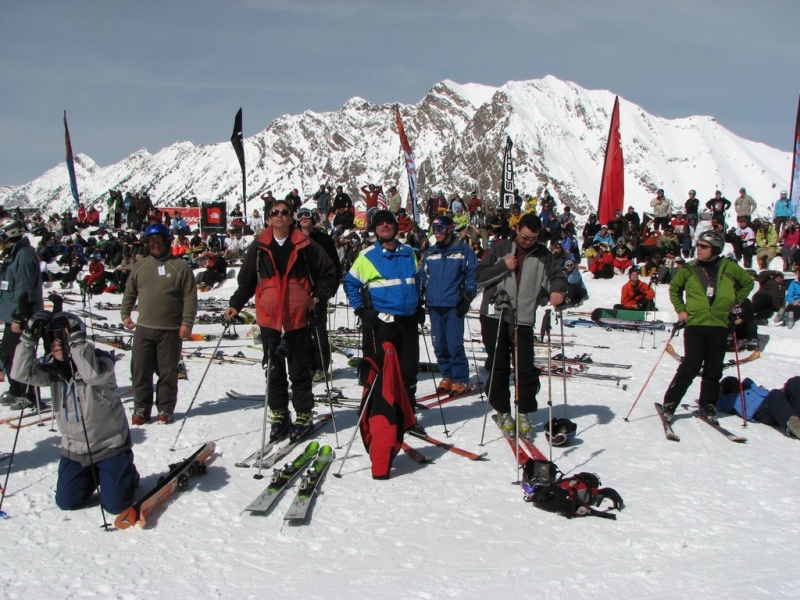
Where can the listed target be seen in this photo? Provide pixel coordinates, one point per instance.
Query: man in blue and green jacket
(703, 293)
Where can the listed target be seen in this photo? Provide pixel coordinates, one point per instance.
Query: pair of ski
(527, 449)
(275, 450)
(337, 398)
(585, 359)
(176, 479)
(319, 460)
(435, 399)
(674, 437)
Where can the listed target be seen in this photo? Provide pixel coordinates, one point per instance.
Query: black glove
(737, 312)
(38, 323)
(369, 318)
(421, 314)
(462, 308)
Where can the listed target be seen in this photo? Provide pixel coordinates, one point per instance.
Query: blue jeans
(116, 477)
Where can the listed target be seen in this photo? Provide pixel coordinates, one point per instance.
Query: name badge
(710, 291)
(162, 270)
(4, 286)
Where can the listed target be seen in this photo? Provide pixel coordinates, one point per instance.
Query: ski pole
(675, 328)
(318, 341)
(739, 377)
(546, 331)
(68, 356)
(560, 319)
(433, 376)
(200, 384)
(516, 396)
(264, 420)
(358, 425)
(490, 382)
(475, 365)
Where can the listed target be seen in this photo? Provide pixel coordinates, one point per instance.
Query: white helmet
(11, 229)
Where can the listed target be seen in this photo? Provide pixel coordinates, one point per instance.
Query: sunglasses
(284, 212)
(704, 246)
(528, 238)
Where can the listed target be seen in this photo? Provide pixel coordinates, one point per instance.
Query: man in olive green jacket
(703, 293)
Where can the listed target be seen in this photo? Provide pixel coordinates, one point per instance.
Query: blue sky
(150, 73)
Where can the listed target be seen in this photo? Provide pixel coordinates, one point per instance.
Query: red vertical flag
(612, 186)
(411, 166)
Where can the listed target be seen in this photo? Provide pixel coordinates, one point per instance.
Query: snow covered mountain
(458, 133)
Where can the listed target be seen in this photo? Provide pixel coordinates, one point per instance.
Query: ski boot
(506, 423)
(524, 426)
(709, 412)
(281, 423)
(669, 411)
(302, 425)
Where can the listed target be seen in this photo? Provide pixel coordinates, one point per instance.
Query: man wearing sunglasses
(448, 278)
(289, 274)
(703, 292)
(523, 271)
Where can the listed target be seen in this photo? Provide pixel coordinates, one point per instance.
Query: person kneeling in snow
(95, 438)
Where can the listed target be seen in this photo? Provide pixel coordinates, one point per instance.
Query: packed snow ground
(703, 518)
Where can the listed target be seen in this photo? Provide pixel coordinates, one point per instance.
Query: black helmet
(62, 325)
(10, 229)
(714, 238)
(563, 431)
(383, 216)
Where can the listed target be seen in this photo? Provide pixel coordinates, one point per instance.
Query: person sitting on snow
(779, 407)
(636, 295)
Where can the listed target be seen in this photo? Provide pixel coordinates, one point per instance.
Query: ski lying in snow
(586, 359)
(433, 400)
(337, 399)
(522, 456)
(266, 453)
(415, 454)
(309, 483)
(281, 478)
(449, 447)
(91, 315)
(176, 479)
(46, 409)
(671, 435)
(728, 434)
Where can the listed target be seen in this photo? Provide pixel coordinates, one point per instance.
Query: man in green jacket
(703, 293)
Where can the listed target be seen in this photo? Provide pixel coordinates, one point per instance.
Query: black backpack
(573, 496)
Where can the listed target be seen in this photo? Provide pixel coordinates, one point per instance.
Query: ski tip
(127, 518)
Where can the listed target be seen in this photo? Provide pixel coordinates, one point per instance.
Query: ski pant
(447, 332)
(319, 350)
(155, 352)
(116, 476)
(296, 343)
(403, 333)
(499, 341)
(7, 349)
(704, 346)
(779, 405)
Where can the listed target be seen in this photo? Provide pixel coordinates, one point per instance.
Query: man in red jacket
(289, 274)
(636, 295)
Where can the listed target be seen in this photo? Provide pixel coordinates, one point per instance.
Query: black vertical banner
(213, 217)
(507, 181)
(237, 139)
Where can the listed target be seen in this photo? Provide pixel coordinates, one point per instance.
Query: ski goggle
(437, 228)
(304, 214)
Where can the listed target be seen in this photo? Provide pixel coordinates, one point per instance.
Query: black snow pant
(704, 347)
